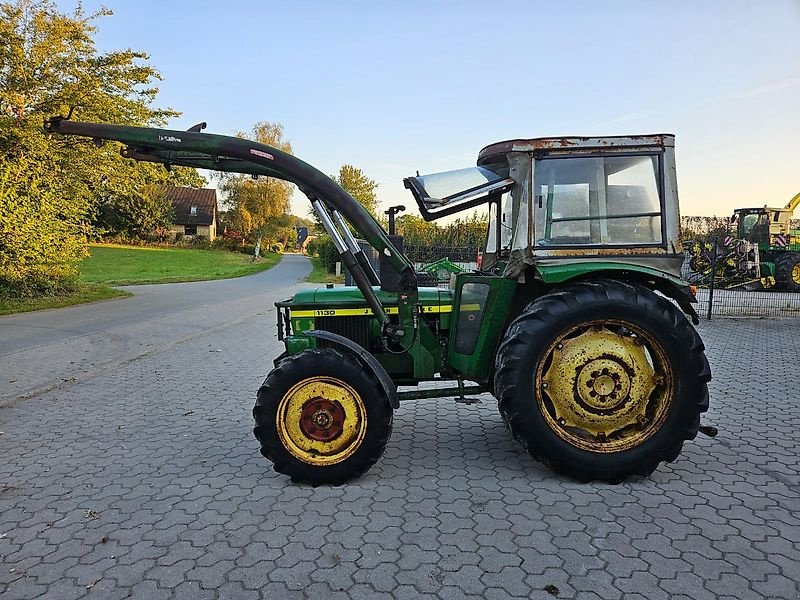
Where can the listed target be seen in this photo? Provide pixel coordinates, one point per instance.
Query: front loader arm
(233, 154)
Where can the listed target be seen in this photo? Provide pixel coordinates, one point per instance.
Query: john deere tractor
(576, 322)
(775, 245)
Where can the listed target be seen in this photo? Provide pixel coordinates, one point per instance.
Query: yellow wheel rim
(604, 386)
(321, 421)
(796, 273)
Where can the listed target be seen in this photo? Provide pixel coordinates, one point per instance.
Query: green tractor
(576, 321)
(775, 245)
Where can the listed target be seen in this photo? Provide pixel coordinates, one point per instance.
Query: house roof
(203, 200)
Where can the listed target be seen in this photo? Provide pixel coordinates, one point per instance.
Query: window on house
(193, 211)
(190, 229)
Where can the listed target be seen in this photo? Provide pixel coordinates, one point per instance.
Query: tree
(138, 213)
(41, 238)
(49, 66)
(359, 186)
(255, 203)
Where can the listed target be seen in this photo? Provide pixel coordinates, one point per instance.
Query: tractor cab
(752, 225)
(557, 203)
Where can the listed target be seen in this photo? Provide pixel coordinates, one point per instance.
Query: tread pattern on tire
(783, 271)
(512, 368)
(326, 361)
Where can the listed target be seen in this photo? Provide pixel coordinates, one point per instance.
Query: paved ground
(143, 480)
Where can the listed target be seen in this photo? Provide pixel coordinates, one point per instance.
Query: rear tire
(787, 271)
(321, 417)
(602, 380)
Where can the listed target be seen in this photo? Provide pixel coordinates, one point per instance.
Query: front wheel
(602, 380)
(321, 417)
(787, 271)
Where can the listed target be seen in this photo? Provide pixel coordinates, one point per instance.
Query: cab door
(480, 311)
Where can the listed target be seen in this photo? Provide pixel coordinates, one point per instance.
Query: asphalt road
(43, 350)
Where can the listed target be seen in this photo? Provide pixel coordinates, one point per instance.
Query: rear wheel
(602, 380)
(321, 417)
(787, 271)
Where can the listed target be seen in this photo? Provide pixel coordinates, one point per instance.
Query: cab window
(603, 201)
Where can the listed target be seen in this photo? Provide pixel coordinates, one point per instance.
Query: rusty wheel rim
(321, 421)
(605, 386)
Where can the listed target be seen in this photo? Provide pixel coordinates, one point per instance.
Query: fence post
(713, 277)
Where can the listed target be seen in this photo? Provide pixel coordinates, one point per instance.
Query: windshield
(755, 227)
(451, 183)
(442, 194)
(597, 200)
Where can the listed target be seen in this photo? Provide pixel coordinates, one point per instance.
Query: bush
(222, 243)
(248, 249)
(312, 247)
(201, 242)
(42, 237)
(276, 247)
(324, 247)
(36, 286)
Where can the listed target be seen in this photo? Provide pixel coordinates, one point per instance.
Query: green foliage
(48, 66)
(255, 204)
(359, 186)
(140, 213)
(324, 248)
(461, 233)
(705, 229)
(201, 242)
(41, 238)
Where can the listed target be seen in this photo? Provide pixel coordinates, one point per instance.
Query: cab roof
(498, 150)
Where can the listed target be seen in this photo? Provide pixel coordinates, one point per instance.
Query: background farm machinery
(762, 253)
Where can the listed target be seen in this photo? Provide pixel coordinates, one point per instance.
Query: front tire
(602, 380)
(321, 417)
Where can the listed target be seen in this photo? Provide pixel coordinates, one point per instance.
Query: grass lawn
(87, 292)
(128, 265)
(319, 275)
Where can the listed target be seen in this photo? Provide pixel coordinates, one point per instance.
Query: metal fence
(429, 254)
(741, 302)
(423, 257)
(710, 303)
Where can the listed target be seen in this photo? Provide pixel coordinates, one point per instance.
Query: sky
(396, 87)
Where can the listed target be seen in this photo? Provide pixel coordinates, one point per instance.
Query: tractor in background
(775, 246)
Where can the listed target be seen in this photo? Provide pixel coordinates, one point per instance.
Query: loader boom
(225, 153)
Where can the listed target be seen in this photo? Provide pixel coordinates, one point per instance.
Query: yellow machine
(778, 244)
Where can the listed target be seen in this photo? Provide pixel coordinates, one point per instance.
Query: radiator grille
(353, 328)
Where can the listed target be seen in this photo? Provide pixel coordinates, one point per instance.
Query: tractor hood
(349, 297)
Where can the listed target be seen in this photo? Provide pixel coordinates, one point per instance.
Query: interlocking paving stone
(145, 482)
